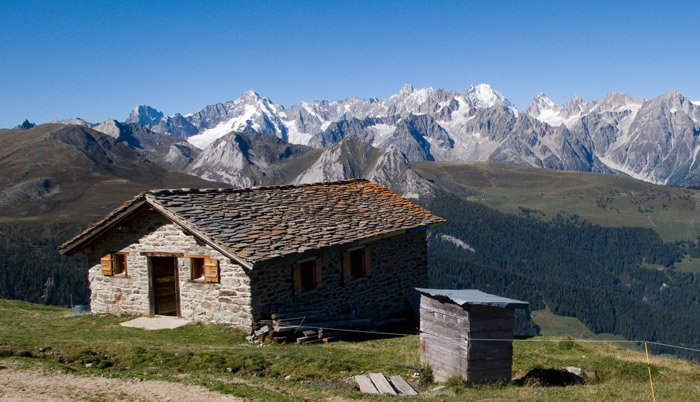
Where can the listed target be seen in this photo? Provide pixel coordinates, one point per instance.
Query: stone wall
(227, 302)
(398, 264)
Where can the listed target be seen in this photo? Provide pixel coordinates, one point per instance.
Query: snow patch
(381, 132)
(210, 135)
(457, 242)
(295, 136)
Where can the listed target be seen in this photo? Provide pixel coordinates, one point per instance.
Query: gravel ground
(45, 385)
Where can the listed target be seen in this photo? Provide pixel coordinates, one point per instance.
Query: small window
(306, 276)
(356, 264)
(204, 269)
(114, 264)
(197, 268)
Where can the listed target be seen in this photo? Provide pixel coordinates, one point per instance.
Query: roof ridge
(232, 190)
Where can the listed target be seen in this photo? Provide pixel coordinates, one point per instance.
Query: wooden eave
(97, 230)
(92, 233)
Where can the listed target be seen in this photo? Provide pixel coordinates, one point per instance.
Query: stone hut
(467, 333)
(232, 256)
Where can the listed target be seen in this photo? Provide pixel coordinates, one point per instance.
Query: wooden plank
(360, 322)
(442, 371)
(443, 332)
(445, 308)
(492, 334)
(262, 331)
(381, 383)
(446, 343)
(486, 371)
(485, 312)
(483, 353)
(443, 321)
(402, 386)
(453, 358)
(491, 325)
(452, 311)
(438, 317)
(490, 364)
(307, 339)
(365, 384)
(488, 376)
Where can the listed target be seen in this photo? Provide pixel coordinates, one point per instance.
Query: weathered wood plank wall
(455, 340)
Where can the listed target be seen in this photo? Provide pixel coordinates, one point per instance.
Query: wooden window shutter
(106, 264)
(368, 260)
(318, 278)
(211, 270)
(296, 278)
(347, 268)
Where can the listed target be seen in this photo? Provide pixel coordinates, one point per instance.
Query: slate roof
(260, 223)
(463, 297)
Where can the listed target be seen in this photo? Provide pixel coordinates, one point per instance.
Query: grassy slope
(608, 200)
(203, 354)
(87, 184)
(555, 325)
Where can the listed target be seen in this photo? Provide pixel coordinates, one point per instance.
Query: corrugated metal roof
(473, 296)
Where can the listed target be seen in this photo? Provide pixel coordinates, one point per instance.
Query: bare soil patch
(47, 385)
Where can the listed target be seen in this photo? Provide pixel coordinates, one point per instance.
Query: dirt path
(44, 385)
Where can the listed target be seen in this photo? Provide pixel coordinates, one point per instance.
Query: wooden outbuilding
(467, 333)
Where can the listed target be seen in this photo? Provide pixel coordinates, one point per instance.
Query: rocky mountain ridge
(653, 140)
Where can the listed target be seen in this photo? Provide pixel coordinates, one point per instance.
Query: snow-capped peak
(697, 102)
(545, 110)
(542, 101)
(250, 97)
(483, 96)
(407, 89)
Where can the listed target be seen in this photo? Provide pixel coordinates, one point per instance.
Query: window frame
(115, 265)
(210, 269)
(304, 275)
(350, 271)
(192, 259)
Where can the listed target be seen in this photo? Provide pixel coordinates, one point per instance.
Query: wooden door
(165, 286)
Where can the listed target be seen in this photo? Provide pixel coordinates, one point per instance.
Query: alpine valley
(586, 210)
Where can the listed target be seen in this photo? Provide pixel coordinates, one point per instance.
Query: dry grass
(220, 360)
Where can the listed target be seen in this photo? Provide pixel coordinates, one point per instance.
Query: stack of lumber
(376, 383)
(306, 327)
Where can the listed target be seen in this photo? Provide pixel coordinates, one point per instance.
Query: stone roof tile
(259, 223)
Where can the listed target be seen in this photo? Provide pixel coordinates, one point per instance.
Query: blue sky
(98, 59)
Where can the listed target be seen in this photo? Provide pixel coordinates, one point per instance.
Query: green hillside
(63, 173)
(221, 360)
(608, 200)
(599, 275)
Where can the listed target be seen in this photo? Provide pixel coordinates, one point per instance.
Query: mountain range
(652, 140)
